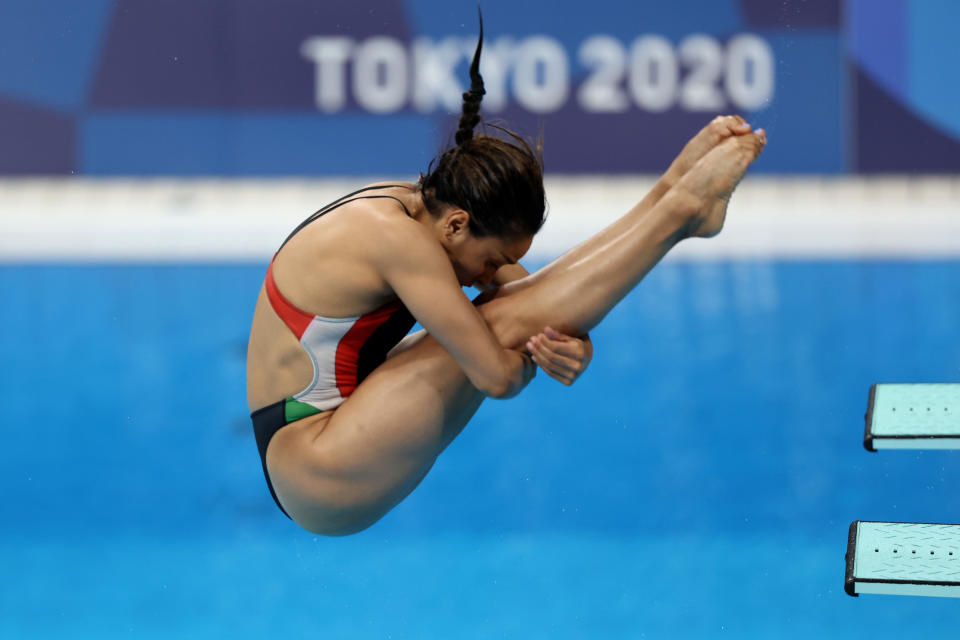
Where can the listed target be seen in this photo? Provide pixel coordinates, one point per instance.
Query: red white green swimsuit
(344, 351)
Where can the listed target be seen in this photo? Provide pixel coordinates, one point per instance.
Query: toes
(726, 126)
(757, 142)
(738, 125)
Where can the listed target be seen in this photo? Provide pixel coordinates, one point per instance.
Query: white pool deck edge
(231, 219)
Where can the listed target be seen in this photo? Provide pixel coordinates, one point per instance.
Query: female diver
(349, 414)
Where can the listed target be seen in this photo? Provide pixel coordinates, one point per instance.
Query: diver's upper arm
(416, 267)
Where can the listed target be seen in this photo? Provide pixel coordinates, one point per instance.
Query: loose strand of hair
(534, 147)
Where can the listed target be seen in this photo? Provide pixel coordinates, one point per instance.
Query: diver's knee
(504, 316)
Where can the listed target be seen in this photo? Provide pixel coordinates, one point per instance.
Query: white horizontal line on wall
(149, 220)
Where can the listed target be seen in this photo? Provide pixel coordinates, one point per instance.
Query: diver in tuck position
(349, 414)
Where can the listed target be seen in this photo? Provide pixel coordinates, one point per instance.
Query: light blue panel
(132, 143)
(934, 62)
(877, 39)
(48, 49)
(903, 558)
(917, 410)
(806, 120)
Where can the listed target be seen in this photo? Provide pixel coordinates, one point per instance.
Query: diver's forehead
(516, 249)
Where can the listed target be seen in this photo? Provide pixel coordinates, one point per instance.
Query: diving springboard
(903, 558)
(913, 416)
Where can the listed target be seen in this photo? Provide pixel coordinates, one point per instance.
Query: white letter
(434, 74)
(386, 92)
(541, 52)
(699, 90)
(329, 55)
(750, 72)
(601, 91)
(654, 73)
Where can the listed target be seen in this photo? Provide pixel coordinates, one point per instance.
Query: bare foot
(713, 178)
(718, 130)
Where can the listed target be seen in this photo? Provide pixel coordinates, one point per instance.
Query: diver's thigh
(377, 446)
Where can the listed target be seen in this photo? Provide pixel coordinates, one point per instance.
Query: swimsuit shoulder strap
(350, 197)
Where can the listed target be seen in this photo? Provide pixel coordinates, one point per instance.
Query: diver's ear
(456, 224)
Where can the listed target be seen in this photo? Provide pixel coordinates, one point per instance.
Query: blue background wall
(697, 482)
(130, 87)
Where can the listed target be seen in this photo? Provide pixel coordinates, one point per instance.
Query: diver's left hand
(562, 357)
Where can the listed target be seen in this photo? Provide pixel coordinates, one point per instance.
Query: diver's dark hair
(498, 182)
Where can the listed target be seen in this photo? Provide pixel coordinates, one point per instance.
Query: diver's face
(476, 260)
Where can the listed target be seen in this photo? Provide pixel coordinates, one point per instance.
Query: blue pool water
(697, 482)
